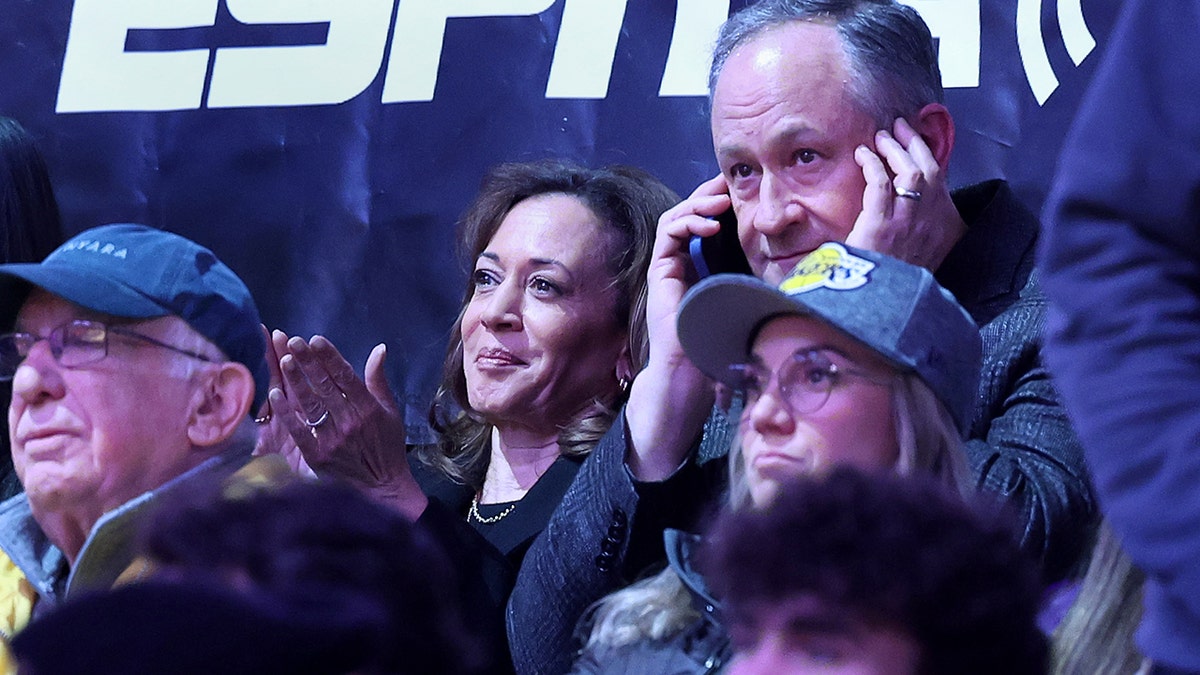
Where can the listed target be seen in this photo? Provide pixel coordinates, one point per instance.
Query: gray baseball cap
(895, 308)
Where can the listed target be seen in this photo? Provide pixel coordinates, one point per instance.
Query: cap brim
(718, 317)
(84, 288)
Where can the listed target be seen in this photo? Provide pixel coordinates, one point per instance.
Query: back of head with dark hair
(29, 222)
(890, 53)
(894, 551)
(324, 548)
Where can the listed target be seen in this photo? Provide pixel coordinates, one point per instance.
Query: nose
(770, 414)
(39, 377)
(503, 309)
(776, 210)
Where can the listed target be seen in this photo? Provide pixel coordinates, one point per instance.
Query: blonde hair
(1096, 635)
(659, 607)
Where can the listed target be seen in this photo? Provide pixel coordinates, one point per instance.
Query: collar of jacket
(108, 549)
(680, 548)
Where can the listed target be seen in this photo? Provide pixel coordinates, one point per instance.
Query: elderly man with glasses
(135, 359)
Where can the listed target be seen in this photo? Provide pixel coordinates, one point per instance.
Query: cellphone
(722, 252)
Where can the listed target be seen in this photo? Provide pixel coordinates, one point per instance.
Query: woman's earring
(623, 383)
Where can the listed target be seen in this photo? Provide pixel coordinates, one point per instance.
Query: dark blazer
(486, 562)
(1020, 446)
(607, 532)
(512, 535)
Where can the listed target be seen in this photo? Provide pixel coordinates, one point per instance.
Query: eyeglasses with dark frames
(73, 344)
(804, 381)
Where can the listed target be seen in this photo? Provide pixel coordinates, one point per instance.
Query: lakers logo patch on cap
(829, 266)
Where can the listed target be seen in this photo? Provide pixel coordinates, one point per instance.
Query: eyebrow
(539, 262)
(789, 132)
(20, 326)
(818, 347)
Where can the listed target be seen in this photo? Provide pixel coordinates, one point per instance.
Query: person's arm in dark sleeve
(1022, 446)
(1121, 256)
(597, 539)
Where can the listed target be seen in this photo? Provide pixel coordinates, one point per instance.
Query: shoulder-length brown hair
(628, 201)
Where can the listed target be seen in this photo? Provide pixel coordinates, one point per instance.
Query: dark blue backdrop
(340, 215)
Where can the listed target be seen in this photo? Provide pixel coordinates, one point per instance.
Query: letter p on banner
(420, 32)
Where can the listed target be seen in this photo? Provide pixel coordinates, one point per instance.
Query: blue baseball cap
(892, 307)
(138, 272)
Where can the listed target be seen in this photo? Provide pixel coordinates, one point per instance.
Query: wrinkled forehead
(43, 311)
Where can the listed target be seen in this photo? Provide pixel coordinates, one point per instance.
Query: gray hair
(889, 50)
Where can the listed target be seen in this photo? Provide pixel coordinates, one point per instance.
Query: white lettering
(1032, 46)
(1076, 36)
(99, 75)
(955, 23)
(696, 25)
(586, 48)
(411, 73)
(303, 75)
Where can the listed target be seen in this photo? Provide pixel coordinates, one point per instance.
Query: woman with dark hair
(29, 230)
(550, 332)
(592, 333)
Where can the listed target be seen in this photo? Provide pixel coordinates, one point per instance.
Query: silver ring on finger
(908, 194)
(313, 424)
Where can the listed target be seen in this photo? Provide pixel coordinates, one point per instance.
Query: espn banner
(325, 148)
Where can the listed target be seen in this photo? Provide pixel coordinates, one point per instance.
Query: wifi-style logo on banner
(1032, 43)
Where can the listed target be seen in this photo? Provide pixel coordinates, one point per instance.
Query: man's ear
(225, 394)
(936, 126)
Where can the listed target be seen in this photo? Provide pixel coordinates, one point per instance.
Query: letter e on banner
(99, 75)
(330, 73)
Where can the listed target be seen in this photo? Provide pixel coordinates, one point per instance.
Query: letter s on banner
(420, 32)
(330, 73)
(98, 75)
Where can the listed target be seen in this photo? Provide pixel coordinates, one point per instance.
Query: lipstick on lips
(497, 357)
